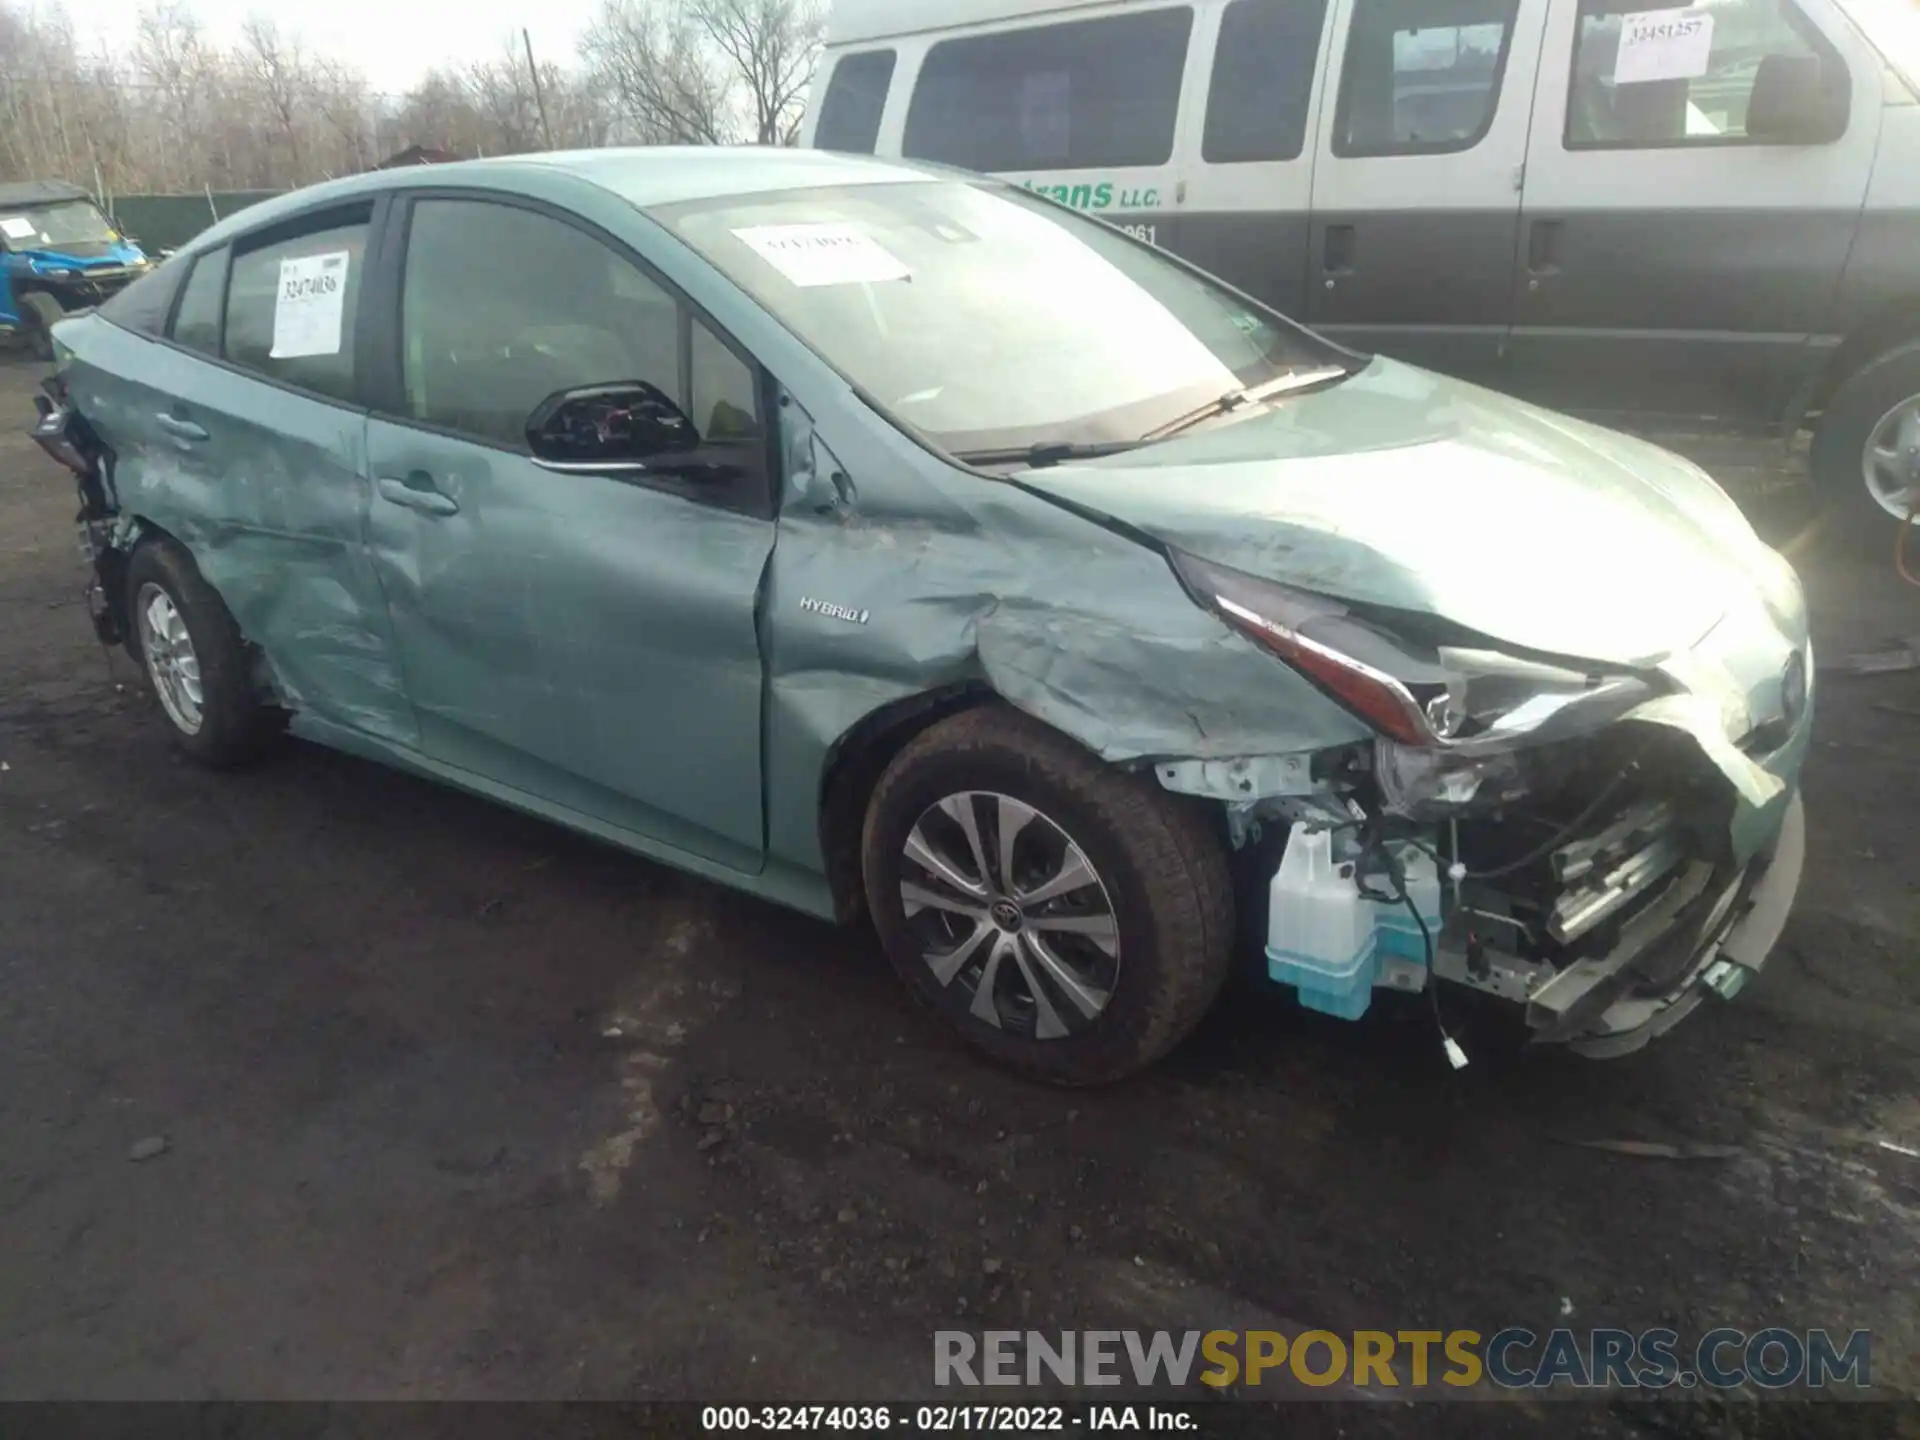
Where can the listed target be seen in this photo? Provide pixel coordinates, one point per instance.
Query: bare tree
(653, 61)
(772, 47)
(179, 111)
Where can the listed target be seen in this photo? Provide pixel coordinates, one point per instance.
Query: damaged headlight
(1453, 711)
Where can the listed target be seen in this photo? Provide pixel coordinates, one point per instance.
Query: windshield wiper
(1048, 452)
(1233, 400)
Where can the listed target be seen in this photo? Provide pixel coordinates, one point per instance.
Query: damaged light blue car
(889, 541)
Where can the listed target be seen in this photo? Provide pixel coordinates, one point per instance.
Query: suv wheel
(1071, 921)
(38, 315)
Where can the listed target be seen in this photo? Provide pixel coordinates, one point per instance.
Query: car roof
(644, 176)
(22, 193)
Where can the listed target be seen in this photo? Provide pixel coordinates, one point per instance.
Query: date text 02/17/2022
(946, 1419)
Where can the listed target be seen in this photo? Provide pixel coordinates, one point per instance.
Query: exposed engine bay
(1602, 847)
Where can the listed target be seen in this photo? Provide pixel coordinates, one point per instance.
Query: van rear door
(1417, 179)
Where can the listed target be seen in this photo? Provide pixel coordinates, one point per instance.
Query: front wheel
(1071, 921)
(1866, 453)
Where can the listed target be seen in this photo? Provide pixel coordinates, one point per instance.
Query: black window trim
(287, 227)
(893, 74)
(386, 392)
(1213, 84)
(1797, 20)
(1053, 20)
(1342, 151)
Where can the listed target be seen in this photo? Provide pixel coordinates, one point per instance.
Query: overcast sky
(393, 42)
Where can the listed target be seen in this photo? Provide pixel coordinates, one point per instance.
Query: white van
(1708, 211)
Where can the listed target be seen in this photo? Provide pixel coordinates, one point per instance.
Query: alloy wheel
(1012, 919)
(171, 662)
(1892, 459)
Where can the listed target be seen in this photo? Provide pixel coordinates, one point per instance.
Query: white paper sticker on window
(308, 309)
(17, 227)
(811, 255)
(1663, 45)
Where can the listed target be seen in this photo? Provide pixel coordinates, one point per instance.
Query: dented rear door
(245, 441)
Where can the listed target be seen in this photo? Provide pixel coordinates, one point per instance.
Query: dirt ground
(440, 1089)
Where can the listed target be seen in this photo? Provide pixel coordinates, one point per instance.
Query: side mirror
(1795, 101)
(609, 429)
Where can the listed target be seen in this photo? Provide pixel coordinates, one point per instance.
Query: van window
(855, 100)
(1262, 80)
(1413, 87)
(1089, 94)
(1607, 111)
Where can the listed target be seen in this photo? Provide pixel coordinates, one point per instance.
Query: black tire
(1854, 518)
(1161, 868)
(39, 314)
(234, 725)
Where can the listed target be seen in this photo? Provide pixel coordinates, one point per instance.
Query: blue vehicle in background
(58, 254)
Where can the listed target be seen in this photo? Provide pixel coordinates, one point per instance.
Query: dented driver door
(586, 640)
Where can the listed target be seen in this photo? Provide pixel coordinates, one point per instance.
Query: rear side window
(855, 100)
(1262, 80)
(196, 324)
(142, 307)
(1090, 94)
(1409, 87)
(291, 304)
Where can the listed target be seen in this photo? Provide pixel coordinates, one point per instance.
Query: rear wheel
(1071, 921)
(1866, 453)
(196, 663)
(38, 315)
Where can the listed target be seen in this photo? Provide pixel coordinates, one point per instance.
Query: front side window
(985, 317)
(1691, 84)
(1089, 94)
(503, 308)
(1408, 87)
(856, 98)
(1262, 80)
(291, 308)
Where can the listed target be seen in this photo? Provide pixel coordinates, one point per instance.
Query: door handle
(181, 429)
(417, 493)
(1546, 243)
(1342, 244)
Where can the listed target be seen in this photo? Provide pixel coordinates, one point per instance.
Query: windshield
(49, 227)
(987, 318)
(1894, 28)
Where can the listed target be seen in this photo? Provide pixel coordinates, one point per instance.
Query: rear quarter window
(144, 305)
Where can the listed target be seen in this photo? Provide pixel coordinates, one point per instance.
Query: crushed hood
(1409, 490)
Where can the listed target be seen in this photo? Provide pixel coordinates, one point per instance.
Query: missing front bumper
(1731, 929)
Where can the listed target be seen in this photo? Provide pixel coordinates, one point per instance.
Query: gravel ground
(455, 1105)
